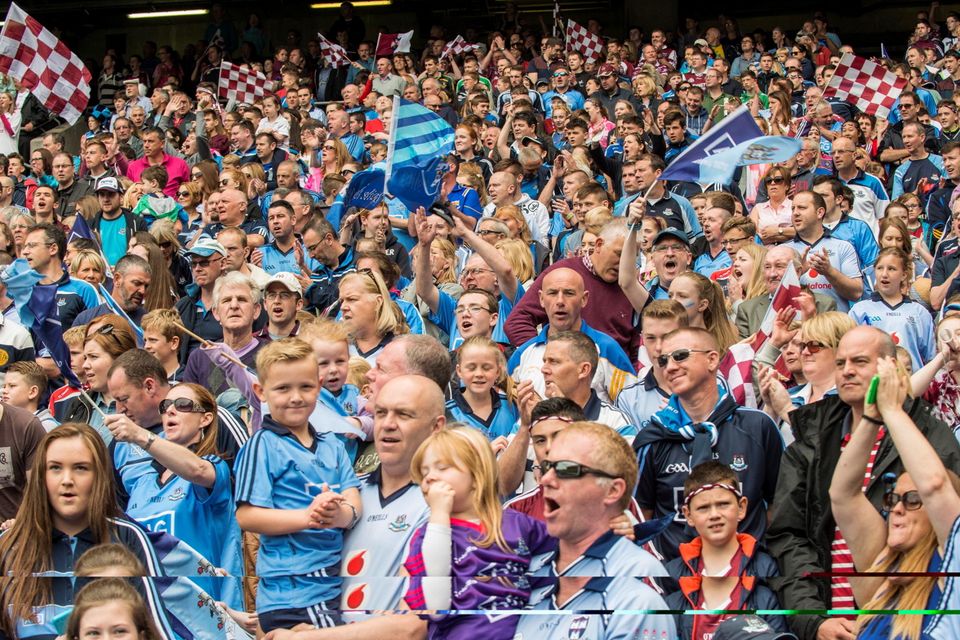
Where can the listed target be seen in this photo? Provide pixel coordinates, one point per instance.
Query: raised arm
(178, 459)
(862, 526)
(635, 292)
(426, 288)
(919, 458)
(506, 278)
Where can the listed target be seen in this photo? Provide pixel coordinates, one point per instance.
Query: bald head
(563, 297)
(409, 409)
(857, 354)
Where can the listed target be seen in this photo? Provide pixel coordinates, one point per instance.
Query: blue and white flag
(37, 305)
(736, 128)
(117, 309)
(418, 138)
(365, 190)
(720, 167)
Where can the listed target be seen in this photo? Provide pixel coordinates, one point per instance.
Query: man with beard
(131, 279)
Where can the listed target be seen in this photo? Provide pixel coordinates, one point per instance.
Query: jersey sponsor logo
(356, 596)
(739, 462)
(400, 524)
(356, 563)
(159, 523)
(578, 627)
(178, 494)
(677, 467)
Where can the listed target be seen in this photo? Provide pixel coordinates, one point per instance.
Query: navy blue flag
(39, 313)
(418, 185)
(365, 190)
(736, 128)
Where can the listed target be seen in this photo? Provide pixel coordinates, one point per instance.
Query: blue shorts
(323, 615)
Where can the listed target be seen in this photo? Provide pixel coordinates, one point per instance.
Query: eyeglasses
(279, 295)
(182, 405)
(793, 68)
(911, 500)
(489, 232)
(203, 263)
(678, 356)
(777, 180)
(663, 248)
(34, 245)
(472, 309)
(166, 244)
(475, 271)
(329, 147)
(728, 241)
(569, 470)
(813, 347)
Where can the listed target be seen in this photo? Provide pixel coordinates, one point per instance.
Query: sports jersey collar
(463, 405)
(272, 425)
(86, 535)
(375, 479)
(826, 235)
(592, 409)
(876, 297)
(601, 546)
(380, 345)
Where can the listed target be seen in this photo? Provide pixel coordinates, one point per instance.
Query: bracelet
(150, 440)
(879, 423)
(355, 518)
(635, 226)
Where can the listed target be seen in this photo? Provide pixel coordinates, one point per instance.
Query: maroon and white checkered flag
(333, 53)
(865, 84)
(241, 84)
(44, 65)
(582, 41)
(457, 46)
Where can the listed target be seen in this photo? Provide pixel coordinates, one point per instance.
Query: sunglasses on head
(182, 405)
(911, 500)
(569, 470)
(678, 356)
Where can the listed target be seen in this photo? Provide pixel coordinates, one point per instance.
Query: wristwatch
(150, 440)
(356, 516)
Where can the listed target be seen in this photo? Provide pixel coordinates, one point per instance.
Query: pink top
(177, 172)
(768, 216)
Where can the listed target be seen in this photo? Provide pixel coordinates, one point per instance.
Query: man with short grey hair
(131, 280)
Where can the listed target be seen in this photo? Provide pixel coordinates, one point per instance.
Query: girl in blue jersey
(890, 309)
(187, 490)
(471, 554)
(477, 401)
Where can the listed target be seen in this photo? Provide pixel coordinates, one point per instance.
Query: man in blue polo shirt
(921, 171)
(842, 226)
(596, 577)
(870, 197)
(830, 265)
(286, 253)
(715, 258)
(44, 249)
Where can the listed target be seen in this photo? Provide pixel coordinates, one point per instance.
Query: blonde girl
(468, 540)
(480, 400)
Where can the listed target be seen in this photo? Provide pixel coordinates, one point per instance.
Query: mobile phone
(872, 390)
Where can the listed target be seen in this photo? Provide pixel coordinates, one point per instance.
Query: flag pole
(207, 343)
(93, 405)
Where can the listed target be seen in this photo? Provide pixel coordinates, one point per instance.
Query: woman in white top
(10, 121)
(774, 218)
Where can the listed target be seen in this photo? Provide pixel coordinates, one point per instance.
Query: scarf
(679, 426)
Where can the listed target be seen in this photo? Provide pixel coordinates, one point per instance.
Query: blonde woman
(87, 265)
(470, 175)
(373, 319)
(520, 258)
(132, 195)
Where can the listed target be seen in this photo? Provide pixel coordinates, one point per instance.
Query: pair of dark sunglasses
(182, 405)
(569, 470)
(678, 356)
(911, 500)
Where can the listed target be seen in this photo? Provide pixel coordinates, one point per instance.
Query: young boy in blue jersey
(297, 489)
(720, 569)
(331, 347)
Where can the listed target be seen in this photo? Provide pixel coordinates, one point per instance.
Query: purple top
(474, 569)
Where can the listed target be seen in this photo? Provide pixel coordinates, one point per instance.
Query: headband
(707, 487)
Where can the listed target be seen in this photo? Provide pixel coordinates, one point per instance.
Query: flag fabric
(37, 306)
(866, 85)
(390, 43)
(736, 128)
(43, 64)
(736, 368)
(419, 142)
(240, 84)
(457, 46)
(117, 309)
(334, 54)
(582, 41)
(718, 168)
(365, 190)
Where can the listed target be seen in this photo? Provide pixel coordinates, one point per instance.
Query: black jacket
(131, 222)
(802, 526)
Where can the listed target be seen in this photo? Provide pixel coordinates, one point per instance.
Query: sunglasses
(911, 500)
(560, 74)
(813, 347)
(774, 181)
(678, 356)
(182, 405)
(569, 470)
(183, 194)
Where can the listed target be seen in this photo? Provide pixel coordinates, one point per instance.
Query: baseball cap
(528, 140)
(108, 183)
(131, 81)
(606, 69)
(288, 280)
(699, 42)
(748, 628)
(206, 247)
(672, 232)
